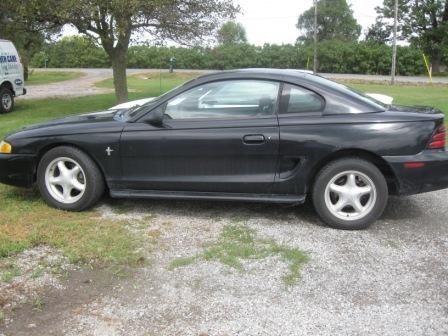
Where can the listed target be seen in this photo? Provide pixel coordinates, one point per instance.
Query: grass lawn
(153, 84)
(431, 95)
(26, 221)
(45, 77)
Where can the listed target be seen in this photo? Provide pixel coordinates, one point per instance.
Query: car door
(217, 137)
(304, 137)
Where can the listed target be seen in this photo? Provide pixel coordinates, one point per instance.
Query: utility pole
(394, 50)
(315, 38)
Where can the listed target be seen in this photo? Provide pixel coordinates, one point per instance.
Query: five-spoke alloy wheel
(68, 179)
(350, 193)
(65, 180)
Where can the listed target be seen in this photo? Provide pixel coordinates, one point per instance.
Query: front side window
(225, 100)
(297, 99)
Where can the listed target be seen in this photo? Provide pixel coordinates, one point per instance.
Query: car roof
(260, 71)
(2, 40)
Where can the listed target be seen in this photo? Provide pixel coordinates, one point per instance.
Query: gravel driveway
(82, 86)
(388, 280)
(79, 87)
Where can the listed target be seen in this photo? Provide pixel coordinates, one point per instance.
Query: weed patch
(238, 242)
(9, 273)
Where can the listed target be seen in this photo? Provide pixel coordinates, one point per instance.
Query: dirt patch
(78, 289)
(24, 277)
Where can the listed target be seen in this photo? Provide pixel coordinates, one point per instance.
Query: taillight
(437, 140)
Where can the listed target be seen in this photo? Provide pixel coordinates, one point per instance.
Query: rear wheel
(68, 179)
(6, 100)
(350, 194)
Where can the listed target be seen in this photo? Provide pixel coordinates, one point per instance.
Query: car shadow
(403, 208)
(398, 209)
(232, 211)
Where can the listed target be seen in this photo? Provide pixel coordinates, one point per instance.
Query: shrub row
(334, 57)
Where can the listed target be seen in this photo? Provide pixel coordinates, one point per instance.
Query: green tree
(335, 21)
(112, 23)
(422, 22)
(377, 33)
(74, 52)
(231, 33)
(18, 24)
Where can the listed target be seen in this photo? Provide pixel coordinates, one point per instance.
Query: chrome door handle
(253, 139)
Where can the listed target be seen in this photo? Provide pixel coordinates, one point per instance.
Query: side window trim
(285, 99)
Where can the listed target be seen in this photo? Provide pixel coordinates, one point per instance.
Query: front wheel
(6, 100)
(68, 179)
(350, 194)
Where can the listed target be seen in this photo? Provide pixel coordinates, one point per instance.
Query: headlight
(5, 148)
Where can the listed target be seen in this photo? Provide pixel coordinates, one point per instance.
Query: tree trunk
(25, 65)
(119, 65)
(436, 60)
(26, 73)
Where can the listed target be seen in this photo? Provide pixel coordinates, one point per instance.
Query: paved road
(85, 85)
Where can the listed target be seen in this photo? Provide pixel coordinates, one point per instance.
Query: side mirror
(155, 117)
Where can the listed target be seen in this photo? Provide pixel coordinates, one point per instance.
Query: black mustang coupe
(260, 135)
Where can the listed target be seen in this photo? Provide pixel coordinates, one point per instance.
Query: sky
(274, 21)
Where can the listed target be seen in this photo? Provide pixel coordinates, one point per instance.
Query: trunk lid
(414, 109)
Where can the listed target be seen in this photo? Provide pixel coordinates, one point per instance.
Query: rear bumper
(17, 170)
(426, 171)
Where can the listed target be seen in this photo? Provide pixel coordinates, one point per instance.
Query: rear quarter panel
(311, 139)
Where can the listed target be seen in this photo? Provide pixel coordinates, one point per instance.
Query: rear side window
(296, 99)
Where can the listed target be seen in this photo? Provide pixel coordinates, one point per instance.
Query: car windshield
(136, 110)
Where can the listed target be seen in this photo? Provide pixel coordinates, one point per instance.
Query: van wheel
(6, 100)
(350, 194)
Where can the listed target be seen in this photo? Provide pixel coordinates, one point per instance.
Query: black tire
(6, 92)
(94, 181)
(329, 172)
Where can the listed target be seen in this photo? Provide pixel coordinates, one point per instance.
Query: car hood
(96, 122)
(89, 118)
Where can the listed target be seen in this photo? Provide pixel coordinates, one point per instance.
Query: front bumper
(17, 169)
(426, 171)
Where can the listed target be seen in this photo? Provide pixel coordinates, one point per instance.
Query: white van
(11, 76)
